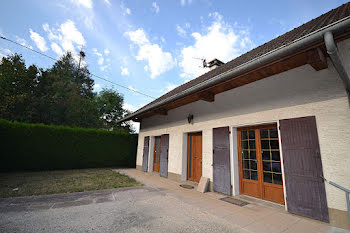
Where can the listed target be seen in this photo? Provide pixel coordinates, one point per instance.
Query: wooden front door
(260, 163)
(194, 156)
(156, 153)
(305, 189)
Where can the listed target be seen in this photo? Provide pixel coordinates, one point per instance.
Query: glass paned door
(271, 156)
(250, 162)
(260, 163)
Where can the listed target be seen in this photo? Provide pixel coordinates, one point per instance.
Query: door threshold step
(186, 186)
(234, 201)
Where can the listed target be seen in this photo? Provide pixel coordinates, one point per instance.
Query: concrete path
(159, 206)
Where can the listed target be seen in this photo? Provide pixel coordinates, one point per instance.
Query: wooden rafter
(317, 59)
(207, 96)
(161, 111)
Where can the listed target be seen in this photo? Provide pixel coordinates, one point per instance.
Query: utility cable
(97, 76)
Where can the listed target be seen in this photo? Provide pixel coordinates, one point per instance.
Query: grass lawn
(63, 181)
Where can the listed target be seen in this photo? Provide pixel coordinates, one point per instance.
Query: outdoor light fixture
(190, 118)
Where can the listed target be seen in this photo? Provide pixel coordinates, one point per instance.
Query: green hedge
(40, 147)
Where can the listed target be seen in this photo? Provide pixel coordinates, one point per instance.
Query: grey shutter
(145, 154)
(305, 188)
(164, 151)
(221, 160)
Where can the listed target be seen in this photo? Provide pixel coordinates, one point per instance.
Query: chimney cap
(215, 63)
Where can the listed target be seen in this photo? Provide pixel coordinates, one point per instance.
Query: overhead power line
(95, 75)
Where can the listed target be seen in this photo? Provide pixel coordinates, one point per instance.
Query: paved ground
(159, 206)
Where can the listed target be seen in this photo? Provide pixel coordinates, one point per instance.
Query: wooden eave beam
(276, 67)
(207, 96)
(317, 59)
(161, 111)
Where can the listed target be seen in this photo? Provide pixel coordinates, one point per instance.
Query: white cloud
(66, 37)
(108, 2)
(22, 42)
(129, 107)
(124, 71)
(51, 35)
(158, 60)
(155, 7)
(180, 31)
(56, 48)
(138, 37)
(4, 53)
(71, 33)
(83, 3)
(168, 87)
(219, 40)
(95, 51)
(132, 108)
(125, 10)
(38, 40)
(97, 86)
(103, 68)
(184, 2)
(101, 61)
(171, 86)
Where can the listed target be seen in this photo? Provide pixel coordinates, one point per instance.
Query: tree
(110, 107)
(71, 94)
(16, 88)
(60, 95)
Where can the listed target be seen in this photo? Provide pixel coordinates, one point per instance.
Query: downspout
(336, 60)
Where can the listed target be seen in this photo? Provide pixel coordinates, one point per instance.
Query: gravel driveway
(159, 206)
(139, 209)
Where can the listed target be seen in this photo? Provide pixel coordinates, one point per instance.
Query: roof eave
(285, 50)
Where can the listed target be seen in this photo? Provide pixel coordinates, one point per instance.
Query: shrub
(40, 147)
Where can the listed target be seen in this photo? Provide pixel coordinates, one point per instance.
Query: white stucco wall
(297, 93)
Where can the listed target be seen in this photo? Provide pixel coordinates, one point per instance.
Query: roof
(285, 39)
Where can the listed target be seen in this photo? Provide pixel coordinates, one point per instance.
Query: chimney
(215, 63)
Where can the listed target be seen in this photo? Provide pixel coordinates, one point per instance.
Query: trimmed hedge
(40, 147)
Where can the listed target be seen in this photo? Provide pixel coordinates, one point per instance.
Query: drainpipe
(336, 60)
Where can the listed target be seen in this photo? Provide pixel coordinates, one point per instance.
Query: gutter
(336, 60)
(256, 62)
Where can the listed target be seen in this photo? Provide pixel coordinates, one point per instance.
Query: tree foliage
(60, 95)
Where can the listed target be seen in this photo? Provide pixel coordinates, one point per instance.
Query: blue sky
(146, 45)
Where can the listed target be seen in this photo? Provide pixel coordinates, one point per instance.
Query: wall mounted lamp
(190, 118)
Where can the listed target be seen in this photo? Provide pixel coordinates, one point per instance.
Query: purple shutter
(305, 188)
(221, 160)
(164, 150)
(145, 154)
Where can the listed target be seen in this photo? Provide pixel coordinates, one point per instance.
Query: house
(269, 124)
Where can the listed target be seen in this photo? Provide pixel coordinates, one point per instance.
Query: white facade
(296, 93)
